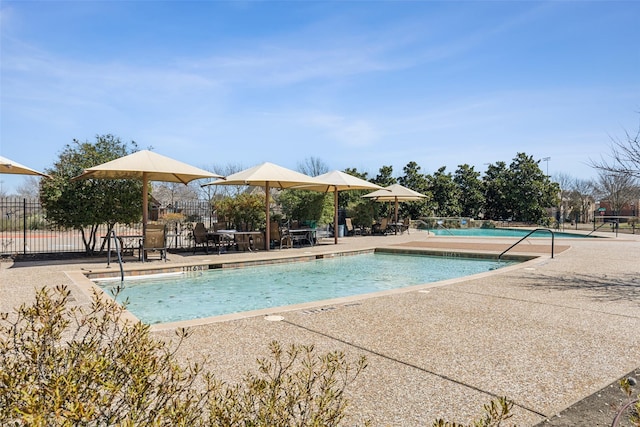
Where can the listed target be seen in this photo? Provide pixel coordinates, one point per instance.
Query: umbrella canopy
(339, 181)
(269, 176)
(9, 166)
(395, 193)
(147, 166)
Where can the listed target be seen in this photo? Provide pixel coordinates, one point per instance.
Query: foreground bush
(495, 413)
(64, 365)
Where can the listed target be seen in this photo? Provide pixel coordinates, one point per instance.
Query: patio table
(303, 234)
(238, 238)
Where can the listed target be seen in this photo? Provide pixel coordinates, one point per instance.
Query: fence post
(24, 226)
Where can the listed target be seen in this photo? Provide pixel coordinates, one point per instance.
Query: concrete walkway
(546, 333)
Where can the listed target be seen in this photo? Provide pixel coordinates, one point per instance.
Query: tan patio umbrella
(147, 166)
(339, 181)
(267, 175)
(11, 167)
(395, 193)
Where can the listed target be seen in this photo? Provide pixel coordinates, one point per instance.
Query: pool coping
(84, 280)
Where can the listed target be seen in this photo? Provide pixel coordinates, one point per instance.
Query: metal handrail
(529, 234)
(116, 242)
(599, 227)
(443, 227)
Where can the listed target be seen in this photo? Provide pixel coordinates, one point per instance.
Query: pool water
(231, 290)
(498, 232)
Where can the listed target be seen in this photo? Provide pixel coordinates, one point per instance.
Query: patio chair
(406, 223)
(351, 230)
(155, 237)
(280, 236)
(202, 237)
(382, 227)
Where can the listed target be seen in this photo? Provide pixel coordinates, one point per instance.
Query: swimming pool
(187, 296)
(499, 232)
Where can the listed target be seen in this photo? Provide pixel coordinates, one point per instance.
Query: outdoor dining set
(147, 166)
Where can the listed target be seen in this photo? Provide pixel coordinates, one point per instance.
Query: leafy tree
(244, 212)
(307, 205)
(531, 192)
(90, 203)
(496, 189)
(385, 177)
(351, 198)
(469, 190)
(361, 211)
(521, 192)
(414, 180)
(445, 194)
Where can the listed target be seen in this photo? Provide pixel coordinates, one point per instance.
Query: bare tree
(214, 192)
(29, 188)
(618, 188)
(580, 199)
(169, 193)
(624, 157)
(313, 166)
(565, 182)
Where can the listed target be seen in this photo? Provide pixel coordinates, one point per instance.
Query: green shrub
(495, 413)
(67, 365)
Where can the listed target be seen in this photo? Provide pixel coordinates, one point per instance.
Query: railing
(529, 234)
(25, 230)
(116, 242)
(596, 229)
(446, 229)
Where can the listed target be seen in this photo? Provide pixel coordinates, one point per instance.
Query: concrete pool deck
(547, 334)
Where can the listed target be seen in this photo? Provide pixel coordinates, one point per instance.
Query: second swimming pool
(231, 290)
(501, 232)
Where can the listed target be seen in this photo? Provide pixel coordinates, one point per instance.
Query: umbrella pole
(396, 220)
(145, 201)
(267, 240)
(335, 215)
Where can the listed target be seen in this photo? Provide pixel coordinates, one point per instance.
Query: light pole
(546, 159)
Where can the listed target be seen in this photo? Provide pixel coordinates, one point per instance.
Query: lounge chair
(155, 237)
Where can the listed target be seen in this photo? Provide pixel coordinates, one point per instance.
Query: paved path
(547, 333)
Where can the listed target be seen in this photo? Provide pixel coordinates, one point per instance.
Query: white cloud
(351, 132)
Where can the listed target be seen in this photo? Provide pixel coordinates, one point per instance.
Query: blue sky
(354, 83)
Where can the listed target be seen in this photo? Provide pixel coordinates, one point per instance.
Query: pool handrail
(116, 242)
(599, 227)
(445, 228)
(529, 234)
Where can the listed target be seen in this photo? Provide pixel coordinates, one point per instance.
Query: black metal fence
(24, 229)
